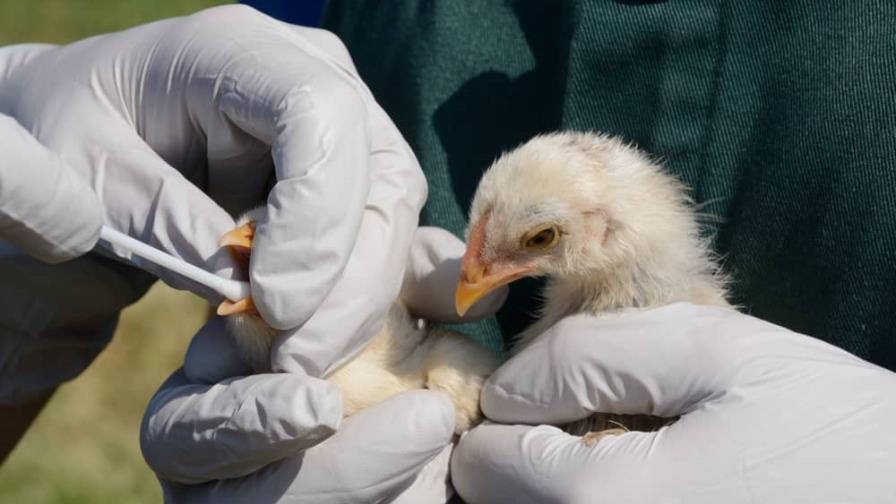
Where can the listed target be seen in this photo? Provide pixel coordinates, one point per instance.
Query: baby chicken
(406, 354)
(604, 223)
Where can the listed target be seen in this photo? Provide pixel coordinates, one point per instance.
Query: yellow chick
(607, 226)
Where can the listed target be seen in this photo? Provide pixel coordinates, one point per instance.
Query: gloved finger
(193, 433)
(316, 120)
(432, 482)
(149, 200)
(495, 463)
(46, 210)
(213, 355)
(375, 456)
(661, 362)
(354, 311)
(16, 55)
(330, 46)
(431, 277)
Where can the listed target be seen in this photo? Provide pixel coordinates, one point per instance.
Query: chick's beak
(477, 278)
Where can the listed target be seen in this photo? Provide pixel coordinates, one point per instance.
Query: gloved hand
(209, 421)
(768, 416)
(179, 124)
(46, 210)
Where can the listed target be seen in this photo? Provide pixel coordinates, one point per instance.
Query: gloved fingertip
(487, 306)
(431, 416)
(418, 423)
(497, 463)
(486, 465)
(213, 356)
(306, 404)
(432, 483)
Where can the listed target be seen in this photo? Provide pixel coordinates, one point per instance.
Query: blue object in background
(300, 12)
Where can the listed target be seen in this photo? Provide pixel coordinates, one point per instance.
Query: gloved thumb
(431, 277)
(193, 433)
(520, 464)
(658, 362)
(210, 420)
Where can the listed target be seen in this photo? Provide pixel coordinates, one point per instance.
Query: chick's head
(571, 206)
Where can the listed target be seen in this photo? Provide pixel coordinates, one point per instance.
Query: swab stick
(233, 290)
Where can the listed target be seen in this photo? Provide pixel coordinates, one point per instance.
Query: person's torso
(781, 116)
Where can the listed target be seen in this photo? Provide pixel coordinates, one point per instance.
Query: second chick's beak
(478, 278)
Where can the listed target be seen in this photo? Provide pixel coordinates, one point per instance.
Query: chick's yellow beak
(477, 279)
(470, 287)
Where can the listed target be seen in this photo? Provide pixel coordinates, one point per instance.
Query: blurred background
(84, 446)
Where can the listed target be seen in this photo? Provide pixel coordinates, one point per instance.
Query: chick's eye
(541, 239)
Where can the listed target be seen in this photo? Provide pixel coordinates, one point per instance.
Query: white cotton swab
(233, 290)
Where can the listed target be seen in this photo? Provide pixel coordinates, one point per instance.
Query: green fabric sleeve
(781, 116)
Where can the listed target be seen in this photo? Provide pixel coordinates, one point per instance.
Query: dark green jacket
(781, 115)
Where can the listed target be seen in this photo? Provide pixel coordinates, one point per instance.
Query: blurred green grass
(61, 21)
(84, 446)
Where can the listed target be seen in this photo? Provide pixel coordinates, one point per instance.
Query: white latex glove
(46, 210)
(174, 122)
(255, 438)
(768, 416)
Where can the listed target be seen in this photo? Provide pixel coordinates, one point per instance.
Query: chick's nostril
(473, 272)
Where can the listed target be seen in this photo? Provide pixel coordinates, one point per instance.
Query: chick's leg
(253, 336)
(239, 243)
